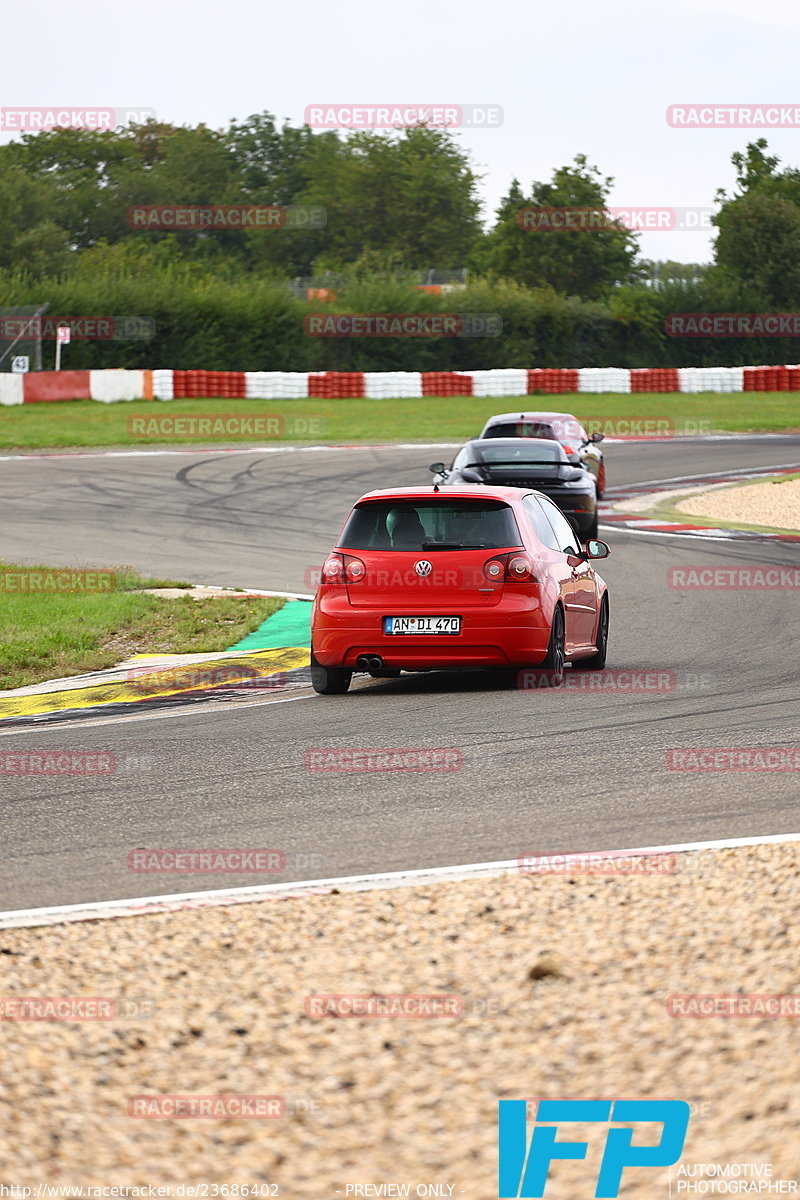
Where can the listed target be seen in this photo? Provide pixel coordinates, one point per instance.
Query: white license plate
(421, 625)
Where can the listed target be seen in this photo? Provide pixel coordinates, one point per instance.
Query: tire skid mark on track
(586, 779)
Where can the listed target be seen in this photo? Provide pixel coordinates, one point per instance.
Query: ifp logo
(523, 1170)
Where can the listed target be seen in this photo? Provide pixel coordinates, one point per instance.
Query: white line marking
(105, 909)
(734, 473)
(257, 592)
(279, 449)
(712, 535)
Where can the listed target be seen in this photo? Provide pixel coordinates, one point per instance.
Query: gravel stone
(222, 1008)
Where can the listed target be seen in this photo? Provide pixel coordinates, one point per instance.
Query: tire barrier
(111, 386)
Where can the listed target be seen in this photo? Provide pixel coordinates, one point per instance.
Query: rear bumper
(513, 633)
(582, 508)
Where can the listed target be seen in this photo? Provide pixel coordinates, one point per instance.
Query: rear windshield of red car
(418, 525)
(522, 429)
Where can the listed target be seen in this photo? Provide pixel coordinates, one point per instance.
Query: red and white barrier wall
(111, 386)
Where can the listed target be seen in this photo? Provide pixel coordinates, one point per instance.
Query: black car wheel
(554, 661)
(329, 681)
(598, 660)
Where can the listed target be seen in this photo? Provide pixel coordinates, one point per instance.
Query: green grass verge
(85, 423)
(49, 635)
(669, 511)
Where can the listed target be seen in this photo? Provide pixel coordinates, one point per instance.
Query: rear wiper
(454, 545)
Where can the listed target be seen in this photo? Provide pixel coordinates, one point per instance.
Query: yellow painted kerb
(143, 684)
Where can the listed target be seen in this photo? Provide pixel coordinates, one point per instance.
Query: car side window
(567, 538)
(460, 460)
(540, 523)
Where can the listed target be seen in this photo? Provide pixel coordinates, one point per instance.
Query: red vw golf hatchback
(473, 576)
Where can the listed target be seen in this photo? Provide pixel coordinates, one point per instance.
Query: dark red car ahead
(470, 576)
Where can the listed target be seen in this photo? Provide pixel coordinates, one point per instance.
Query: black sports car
(534, 463)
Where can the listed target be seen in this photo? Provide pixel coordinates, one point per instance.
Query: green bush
(222, 320)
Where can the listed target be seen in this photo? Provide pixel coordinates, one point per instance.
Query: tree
(524, 244)
(412, 197)
(33, 241)
(758, 246)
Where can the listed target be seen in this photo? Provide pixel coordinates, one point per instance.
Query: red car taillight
(354, 569)
(568, 449)
(343, 568)
(520, 567)
(509, 567)
(333, 570)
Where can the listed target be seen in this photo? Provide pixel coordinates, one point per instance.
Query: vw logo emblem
(423, 567)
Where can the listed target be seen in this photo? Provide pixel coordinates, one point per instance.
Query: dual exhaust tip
(373, 663)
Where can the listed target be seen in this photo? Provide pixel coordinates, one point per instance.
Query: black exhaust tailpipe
(373, 663)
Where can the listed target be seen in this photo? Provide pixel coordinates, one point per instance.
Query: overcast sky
(572, 76)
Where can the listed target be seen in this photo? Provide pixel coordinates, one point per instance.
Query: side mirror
(437, 468)
(595, 549)
(597, 437)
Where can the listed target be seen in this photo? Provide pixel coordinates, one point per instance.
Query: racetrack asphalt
(543, 771)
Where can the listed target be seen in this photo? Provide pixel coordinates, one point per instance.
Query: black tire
(592, 533)
(554, 661)
(329, 681)
(598, 660)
